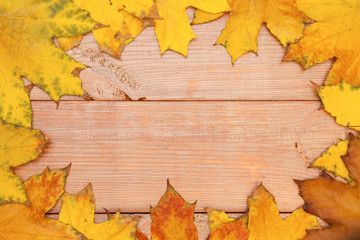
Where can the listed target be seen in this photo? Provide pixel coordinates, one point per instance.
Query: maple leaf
(246, 18)
(335, 34)
(341, 101)
(222, 227)
(26, 31)
(19, 221)
(204, 17)
(78, 210)
(68, 43)
(173, 218)
(265, 222)
(173, 30)
(124, 20)
(336, 202)
(17, 146)
(331, 160)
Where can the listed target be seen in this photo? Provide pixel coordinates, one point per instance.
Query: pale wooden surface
(214, 151)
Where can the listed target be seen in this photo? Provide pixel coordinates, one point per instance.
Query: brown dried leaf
(336, 202)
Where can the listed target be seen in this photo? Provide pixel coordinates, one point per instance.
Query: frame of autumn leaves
(27, 203)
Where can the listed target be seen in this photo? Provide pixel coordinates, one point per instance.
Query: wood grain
(206, 74)
(213, 152)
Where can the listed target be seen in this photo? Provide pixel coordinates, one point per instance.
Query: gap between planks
(170, 101)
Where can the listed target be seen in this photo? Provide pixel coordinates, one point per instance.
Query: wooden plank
(213, 152)
(205, 74)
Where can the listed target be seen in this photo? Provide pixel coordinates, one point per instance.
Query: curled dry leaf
(123, 21)
(239, 36)
(173, 30)
(336, 202)
(222, 227)
(331, 160)
(18, 146)
(78, 210)
(335, 34)
(27, 50)
(173, 218)
(19, 221)
(341, 101)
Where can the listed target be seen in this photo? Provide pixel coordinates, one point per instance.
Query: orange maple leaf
(173, 218)
(223, 227)
(19, 221)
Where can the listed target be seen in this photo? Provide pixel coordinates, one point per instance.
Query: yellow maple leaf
(265, 222)
(223, 227)
(19, 221)
(173, 218)
(335, 34)
(217, 218)
(341, 101)
(68, 43)
(78, 210)
(26, 50)
(17, 146)
(331, 160)
(246, 18)
(124, 20)
(173, 30)
(204, 17)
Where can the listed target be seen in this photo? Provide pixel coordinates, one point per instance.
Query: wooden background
(215, 130)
